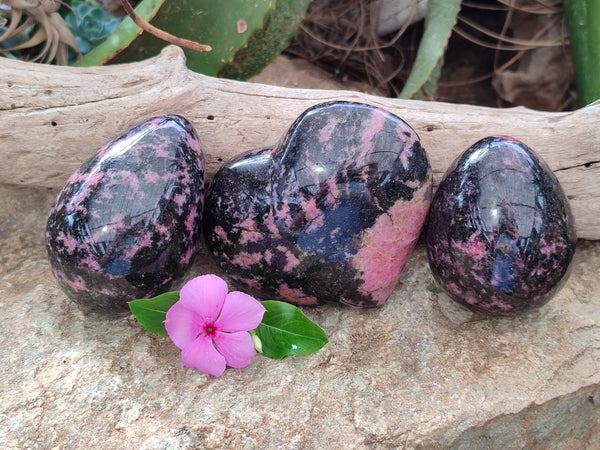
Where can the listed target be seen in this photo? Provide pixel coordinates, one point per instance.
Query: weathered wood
(54, 118)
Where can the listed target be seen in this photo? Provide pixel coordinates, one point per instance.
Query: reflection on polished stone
(330, 214)
(127, 223)
(501, 235)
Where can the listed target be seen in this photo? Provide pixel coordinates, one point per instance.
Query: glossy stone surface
(127, 223)
(501, 235)
(330, 214)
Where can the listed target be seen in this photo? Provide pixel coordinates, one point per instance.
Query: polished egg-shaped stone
(329, 214)
(501, 234)
(127, 222)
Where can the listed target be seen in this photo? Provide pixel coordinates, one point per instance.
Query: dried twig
(161, 34)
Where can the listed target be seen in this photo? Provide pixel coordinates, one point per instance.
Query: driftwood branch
(54, 118)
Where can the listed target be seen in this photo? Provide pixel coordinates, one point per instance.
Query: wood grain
(54, 118)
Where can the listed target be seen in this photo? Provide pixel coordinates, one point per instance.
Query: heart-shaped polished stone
(330, 214)
(501, 234)
(127, 223)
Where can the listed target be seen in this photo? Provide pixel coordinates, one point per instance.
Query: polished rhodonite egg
(330, 214)
(127, 222)
(501, 234)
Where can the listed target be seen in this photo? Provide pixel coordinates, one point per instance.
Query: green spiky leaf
(245, 35)
(268, 41)
(439, 21)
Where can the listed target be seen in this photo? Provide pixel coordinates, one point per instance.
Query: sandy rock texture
(419, 372)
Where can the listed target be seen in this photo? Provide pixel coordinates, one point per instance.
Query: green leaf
(121, 37)
(90, 23)
(268, 41)
(151, 312)
(285, 330)
(245, 35)
(209, 22)
(583, 20)
(439, 21)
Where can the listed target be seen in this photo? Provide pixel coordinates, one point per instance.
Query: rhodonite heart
(329, 214)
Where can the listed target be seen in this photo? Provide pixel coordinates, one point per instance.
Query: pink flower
(211, 326)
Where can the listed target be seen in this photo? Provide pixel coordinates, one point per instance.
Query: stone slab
(419, 372)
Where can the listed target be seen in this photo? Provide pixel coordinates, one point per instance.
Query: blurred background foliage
(90, 24)
(544, 54)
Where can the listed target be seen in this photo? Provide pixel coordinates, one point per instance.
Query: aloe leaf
(224, 25)
(121, 37)
(439, 21)
(583, 20)
(268, 41)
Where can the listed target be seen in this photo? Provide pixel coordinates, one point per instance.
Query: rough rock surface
(419, 372)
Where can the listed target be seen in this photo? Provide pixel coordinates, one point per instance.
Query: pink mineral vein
(386, 246)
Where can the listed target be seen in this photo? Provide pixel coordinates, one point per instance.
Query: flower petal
(240, 312)
(201, 354)
(204, 295)
(182, 325)
(237, 348)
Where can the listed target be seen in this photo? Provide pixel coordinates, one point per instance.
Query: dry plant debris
(52, 29)
(519, 53)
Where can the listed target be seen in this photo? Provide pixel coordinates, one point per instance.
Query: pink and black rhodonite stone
(127, 223)
(330, 214)
(501, 235)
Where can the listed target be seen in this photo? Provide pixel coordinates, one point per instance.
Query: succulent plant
(90, 24)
